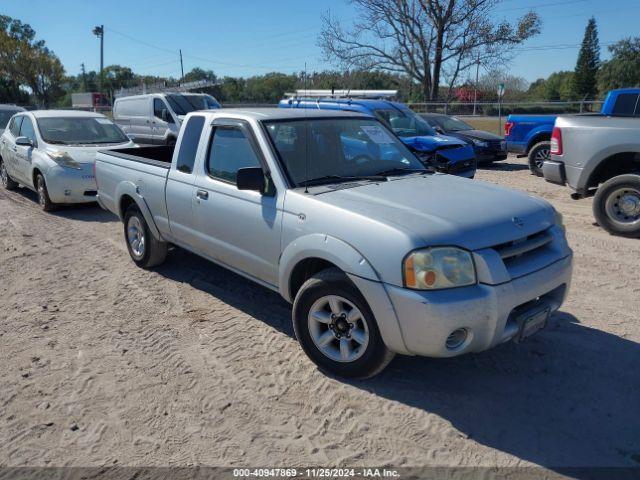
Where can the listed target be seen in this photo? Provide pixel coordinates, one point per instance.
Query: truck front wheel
(144, 249)
(540, 152)
(616, 205)
(336, 327)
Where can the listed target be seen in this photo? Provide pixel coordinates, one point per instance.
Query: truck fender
(591, 165)
(357, 268)
(130, 189)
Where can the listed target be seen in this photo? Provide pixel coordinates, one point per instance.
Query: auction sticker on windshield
(376, 133)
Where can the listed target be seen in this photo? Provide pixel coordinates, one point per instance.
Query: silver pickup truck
(377, 254)
(600, 154)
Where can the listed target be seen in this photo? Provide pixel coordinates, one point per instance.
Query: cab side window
(14, 126)
(230, 151)
(27, 130)
(189, 144)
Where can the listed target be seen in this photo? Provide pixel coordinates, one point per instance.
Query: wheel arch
(540, 136)
(312, 252)
(127, 195)
(612, 165)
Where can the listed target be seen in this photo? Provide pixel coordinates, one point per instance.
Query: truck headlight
(64, 160)
(439, 267)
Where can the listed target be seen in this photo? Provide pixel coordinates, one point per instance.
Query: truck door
(180, 189)
(239, 228)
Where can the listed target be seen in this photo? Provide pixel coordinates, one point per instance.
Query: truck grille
(524, 255)
(523, 246)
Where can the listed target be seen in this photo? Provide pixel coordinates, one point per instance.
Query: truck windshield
(183, 104)
(80, 130)
(405, 123)
(330, 150)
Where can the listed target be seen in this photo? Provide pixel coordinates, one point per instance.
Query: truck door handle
(202, 194)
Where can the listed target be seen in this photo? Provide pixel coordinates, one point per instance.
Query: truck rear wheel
(336, 327)
(616, 205)
(144, 249)
(540, 152)
(7, 182)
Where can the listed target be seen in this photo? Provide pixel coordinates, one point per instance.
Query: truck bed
(159, 156)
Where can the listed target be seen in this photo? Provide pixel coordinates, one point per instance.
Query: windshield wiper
(402, 171)
(341, 178)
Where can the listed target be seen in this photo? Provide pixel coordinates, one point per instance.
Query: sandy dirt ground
(102, 363)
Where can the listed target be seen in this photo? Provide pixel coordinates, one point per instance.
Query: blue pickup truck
(443, 153)
(530, 135)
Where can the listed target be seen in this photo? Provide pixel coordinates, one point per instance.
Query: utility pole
(98, 31)
(181, 68)
(475, 87)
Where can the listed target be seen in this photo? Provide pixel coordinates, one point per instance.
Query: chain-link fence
(490, 109)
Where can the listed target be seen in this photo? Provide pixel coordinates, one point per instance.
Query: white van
(155, 118)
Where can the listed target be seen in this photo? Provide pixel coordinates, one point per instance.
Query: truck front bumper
(554, 172)
(488, 314)
(67, 185)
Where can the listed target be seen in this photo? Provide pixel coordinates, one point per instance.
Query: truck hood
(447, 210)
(429, 144)
(86, 153)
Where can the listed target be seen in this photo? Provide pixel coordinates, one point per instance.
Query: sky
(249, 37)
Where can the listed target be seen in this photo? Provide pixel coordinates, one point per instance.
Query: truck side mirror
(166, 116)
(251, 178)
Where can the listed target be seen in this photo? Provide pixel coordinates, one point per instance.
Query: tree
(197, 74)
(28, 62)
(585, 78)
(424, 39)
(623, 69)
(559, 86)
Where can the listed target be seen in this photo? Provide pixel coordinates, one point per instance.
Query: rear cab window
(626, 104)
(189, 144)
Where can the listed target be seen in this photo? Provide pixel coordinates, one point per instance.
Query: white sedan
(53, 153)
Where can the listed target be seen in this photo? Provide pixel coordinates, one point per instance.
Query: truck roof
(283, 113)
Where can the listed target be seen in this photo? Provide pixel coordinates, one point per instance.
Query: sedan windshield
(183, 104)
(80, 130)
(331, 150)
(452, 124)
(5, 115)
(405, 123)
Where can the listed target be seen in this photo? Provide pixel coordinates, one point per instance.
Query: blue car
(443, 153)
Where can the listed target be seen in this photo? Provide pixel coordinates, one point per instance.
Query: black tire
(7, 182)
(43, 194)
(332, 282)
(539, 152)
(151, 252)
(610, 214)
